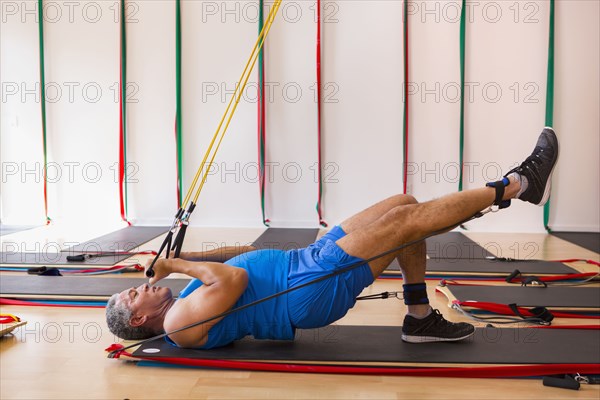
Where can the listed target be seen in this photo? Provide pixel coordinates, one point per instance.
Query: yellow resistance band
(235, 99)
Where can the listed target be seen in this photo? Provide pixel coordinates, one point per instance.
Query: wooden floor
(60, 354)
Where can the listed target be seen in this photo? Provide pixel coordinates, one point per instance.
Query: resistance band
(52, 303)
(92, 271)
(550, 97)
(43, 105)
(319, 106)
(262, 128)
(341, 270)
(182, 216)
(505, 309)
(461, 148)
(517, 278)
(8, 318)
(123, 117)
(455, 372)
(405, 113)
(178, 111)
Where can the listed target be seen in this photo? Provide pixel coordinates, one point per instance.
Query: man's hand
(162, 269)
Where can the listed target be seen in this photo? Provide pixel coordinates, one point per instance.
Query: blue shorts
(325, 302)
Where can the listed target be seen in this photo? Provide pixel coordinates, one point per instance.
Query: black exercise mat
(76, 286)
(587, 240)
(383, 344)
(126, 239)
(529, 296)
(8, 229)
(285, 238)
(482, 266)
(454, 245)
(11, 258)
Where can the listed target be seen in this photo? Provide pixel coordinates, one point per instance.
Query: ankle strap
(499, 186)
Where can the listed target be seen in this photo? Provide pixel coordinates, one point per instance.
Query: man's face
(145, 300)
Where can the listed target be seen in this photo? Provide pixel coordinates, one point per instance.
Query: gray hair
(117, 319)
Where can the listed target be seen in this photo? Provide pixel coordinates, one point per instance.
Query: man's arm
(220, 254)
(222, 287)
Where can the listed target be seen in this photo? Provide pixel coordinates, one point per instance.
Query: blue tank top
(267, 274)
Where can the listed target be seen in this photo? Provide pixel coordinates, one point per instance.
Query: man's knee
(405, 199)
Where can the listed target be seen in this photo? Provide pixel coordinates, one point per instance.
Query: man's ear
(136, 320)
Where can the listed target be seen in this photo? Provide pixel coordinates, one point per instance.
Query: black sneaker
(537, 168)
(434, 328)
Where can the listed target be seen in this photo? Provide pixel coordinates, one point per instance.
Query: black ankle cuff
(499, 186)
(415, 293)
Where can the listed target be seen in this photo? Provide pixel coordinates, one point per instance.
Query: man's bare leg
(413, 263)
(412, 260)
(373, 213)
(403, 224)
(406, 223)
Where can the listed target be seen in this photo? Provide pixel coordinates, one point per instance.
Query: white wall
(362, 117)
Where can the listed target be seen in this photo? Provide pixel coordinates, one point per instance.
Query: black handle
(77, 258)
(564, 383)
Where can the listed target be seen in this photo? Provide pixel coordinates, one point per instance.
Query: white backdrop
(362, 111)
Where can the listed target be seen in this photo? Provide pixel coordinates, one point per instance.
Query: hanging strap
(319, 104)
(405, 112)
(262, 128)
(182, 216)
(461, 146)
(178, 112)
(123, 118)
(43, 105)
(550, 97)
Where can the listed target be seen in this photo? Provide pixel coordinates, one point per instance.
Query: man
(249, 275)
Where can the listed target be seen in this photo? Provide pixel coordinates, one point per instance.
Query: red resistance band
(504, 309)
(7, 319)
(449, 282)
(120, 253)
(467, 372)
(13, 302)
(549, 278)
(570, 260)
(319, 117)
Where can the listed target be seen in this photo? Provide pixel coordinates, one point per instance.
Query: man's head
(138, 313)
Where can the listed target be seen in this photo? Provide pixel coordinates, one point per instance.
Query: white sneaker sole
(430, 339)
